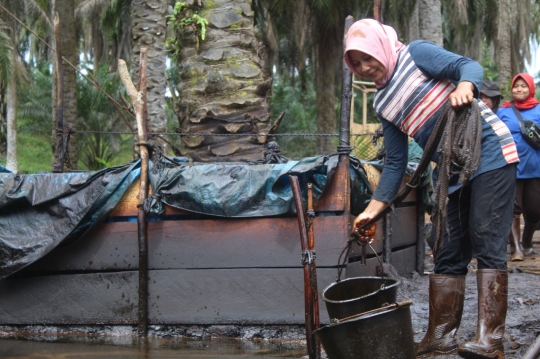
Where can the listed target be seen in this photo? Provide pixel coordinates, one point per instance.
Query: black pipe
(420, 229)
(346, 97)
(142, 312)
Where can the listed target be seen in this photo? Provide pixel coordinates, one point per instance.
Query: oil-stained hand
(462, 95)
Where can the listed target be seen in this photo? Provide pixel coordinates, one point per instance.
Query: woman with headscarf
(414, 85)
(528, 171)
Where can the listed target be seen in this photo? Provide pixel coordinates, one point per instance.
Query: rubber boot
(527, 237)
(446, 296)
(515, 236)
(492, 305)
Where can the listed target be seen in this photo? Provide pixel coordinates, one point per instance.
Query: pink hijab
(378, 41)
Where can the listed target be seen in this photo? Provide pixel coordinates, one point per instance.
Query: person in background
(528, 171)
(415, 84)
(490, 94)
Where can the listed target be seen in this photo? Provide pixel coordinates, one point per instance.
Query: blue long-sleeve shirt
(414, 98)
(529, 157)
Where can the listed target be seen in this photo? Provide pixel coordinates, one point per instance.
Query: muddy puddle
(151, 348)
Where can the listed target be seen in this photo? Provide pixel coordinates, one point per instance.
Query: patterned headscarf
(378, 41)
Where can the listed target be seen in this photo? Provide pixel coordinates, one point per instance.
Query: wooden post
(59, 166)
(307, 261)
(138, 99)
(315, 322)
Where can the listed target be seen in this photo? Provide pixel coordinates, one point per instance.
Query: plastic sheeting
(249, 190)
(41, 211)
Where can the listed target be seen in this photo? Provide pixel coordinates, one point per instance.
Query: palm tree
(66, 14)
(149, 29)
(12, 72)
(223, 86)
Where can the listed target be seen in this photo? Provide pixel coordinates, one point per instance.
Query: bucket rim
(398, 282)
(361, 316)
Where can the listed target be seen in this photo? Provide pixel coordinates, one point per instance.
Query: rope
(459, 153)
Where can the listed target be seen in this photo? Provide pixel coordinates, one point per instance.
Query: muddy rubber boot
(492, 305)
(446, 296)
(527, 237)
(515, 243)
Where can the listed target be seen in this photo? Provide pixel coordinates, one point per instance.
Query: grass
(34, 152)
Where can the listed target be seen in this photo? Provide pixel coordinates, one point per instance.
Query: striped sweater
(414, 98)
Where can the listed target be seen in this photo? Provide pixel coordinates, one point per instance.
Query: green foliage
(34, 121)
(182, 17)
(97, 113)
(6, 49)
(300, 116)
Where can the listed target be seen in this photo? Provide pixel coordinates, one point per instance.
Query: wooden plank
(241, 243)
(232, 296)
(333, 197)
(205, 243)
(111, 246)
(358, 269)
(95, 298)
(403, 260)
(404, 226)
(209, 296)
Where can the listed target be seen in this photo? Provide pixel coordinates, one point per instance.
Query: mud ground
(523, 318)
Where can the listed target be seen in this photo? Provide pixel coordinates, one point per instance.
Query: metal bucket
(385, 334)
(358, 295)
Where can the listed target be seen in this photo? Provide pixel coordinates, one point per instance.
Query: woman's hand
(462, 95)
(374, 208)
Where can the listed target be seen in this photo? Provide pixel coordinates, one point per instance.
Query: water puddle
(151, 348)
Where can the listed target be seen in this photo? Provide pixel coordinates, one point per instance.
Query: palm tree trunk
(223, 87)
(414, 24)
(503, 56)
(328, 50)
(11, 99)
(68, 30)
(430, 20)
(149, 30)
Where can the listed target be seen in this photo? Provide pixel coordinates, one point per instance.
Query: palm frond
(6, 53)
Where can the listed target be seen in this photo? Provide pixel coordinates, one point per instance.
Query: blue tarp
(38, 212)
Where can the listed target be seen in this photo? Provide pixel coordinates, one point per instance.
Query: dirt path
(523, 318)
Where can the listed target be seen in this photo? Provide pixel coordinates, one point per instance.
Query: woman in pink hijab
(414, 85)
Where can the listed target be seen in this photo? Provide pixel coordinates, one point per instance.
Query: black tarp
(38, 212)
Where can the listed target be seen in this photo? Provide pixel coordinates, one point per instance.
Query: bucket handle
(359, 239)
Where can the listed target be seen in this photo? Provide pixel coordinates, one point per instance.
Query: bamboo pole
(138, 99)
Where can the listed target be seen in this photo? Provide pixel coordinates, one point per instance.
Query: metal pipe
(420, 240)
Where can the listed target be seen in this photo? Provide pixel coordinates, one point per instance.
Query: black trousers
(478, 223)
(528, 199)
